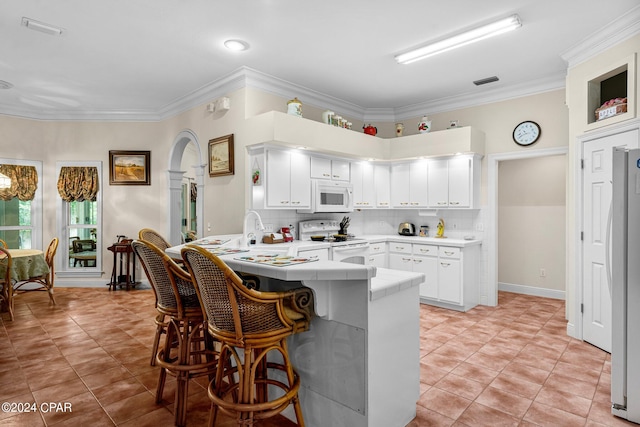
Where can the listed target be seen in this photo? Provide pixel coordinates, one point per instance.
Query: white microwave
(330, 196)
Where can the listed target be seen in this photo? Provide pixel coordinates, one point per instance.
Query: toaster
(406, 229)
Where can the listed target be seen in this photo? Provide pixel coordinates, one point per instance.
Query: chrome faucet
(244, 240)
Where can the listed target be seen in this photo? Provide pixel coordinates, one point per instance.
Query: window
(21, 220)
(80, 218)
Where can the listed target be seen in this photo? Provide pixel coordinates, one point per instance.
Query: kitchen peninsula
(359, 362)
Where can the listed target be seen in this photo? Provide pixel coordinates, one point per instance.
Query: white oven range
(352, 250)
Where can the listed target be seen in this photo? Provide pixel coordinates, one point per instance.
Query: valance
(24, 182)
(78, 183)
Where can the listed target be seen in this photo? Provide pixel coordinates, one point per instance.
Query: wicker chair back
(231, 308)
(153, 237)
(172, 285)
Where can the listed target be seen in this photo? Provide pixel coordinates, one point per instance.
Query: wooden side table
(127, 277)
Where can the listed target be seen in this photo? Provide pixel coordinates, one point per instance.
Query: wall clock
(526, 133)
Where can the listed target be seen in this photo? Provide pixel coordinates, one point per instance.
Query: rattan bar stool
(188, 350)
(249, 325)
(155, 238)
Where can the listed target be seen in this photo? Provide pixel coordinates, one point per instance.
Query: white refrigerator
(625, 284)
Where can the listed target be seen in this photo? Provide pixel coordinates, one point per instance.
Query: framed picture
(129, 167)
(221, 156)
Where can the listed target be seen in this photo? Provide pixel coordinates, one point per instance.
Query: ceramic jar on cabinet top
(425, 125)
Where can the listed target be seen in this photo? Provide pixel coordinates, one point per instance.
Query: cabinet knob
(326, 174)
(449, 253)
(417, 261)
(445, 264)
(454, 203)
(424, 251)
(406, 259)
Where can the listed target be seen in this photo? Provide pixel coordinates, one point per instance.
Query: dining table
(27, 263)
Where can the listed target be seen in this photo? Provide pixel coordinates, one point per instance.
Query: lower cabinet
(378, 254)
(322, 254)
(451, 276)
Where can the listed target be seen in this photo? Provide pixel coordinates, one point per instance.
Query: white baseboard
(531, 290)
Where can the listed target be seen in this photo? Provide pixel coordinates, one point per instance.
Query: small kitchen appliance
(406, 229)
(330, 196)
(286, 234)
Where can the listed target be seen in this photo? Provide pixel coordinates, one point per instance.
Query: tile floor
(508, 365)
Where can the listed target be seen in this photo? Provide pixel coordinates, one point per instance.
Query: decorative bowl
(318, 238)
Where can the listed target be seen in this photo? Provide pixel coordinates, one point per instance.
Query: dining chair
(249, 325)
(6, 296)
(152, 236)
(3, 244)
(188, 351)
(46, 281)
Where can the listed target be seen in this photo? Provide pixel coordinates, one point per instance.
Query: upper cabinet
(409, 184)
(285, 183)
(362, 177)
(325, 168)
(454, 182)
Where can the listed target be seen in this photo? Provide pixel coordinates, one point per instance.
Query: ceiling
(124, 59)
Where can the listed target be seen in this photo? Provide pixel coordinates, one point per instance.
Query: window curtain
(24, 182)
(78, 183)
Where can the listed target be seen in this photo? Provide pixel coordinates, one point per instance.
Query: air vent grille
(485, 81)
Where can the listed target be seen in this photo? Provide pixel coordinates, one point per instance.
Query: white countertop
(460, 243)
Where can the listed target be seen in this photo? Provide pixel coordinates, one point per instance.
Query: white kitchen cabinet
(454, 182)
(449, 275)
(450, 272)
(362, 175)
(325, 168)
(409, 184)
(378, 254)
(321, 253)
(382, 184)
(288, 182)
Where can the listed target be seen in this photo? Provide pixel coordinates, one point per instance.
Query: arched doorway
(175, 175)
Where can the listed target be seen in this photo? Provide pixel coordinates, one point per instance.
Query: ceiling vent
(485, 81)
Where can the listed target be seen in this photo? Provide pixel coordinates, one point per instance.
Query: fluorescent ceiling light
(42, 27)
(459, 40)
(236, 45)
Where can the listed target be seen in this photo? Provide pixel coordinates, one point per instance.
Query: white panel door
(596, 180)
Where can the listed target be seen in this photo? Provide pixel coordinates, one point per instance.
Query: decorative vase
(399, 129)
(327, 116)
(294, 107)
(425, 125)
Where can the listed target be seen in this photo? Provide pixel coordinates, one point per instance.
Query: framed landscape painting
(221, 156)
(129, 167)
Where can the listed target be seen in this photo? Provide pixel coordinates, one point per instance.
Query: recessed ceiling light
(236, 45)
(5, 85)
(42, 27)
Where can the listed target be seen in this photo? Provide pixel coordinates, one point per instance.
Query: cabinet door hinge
(582, 236)
(582, 308)
(581, 163)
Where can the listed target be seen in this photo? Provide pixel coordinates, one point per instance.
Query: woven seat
(6, 295)
(45, 281)
(249, 324)
(188, 351)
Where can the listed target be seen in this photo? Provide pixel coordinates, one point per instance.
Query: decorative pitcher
(425, 125)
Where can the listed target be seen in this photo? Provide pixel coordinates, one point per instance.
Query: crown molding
(621, 29)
